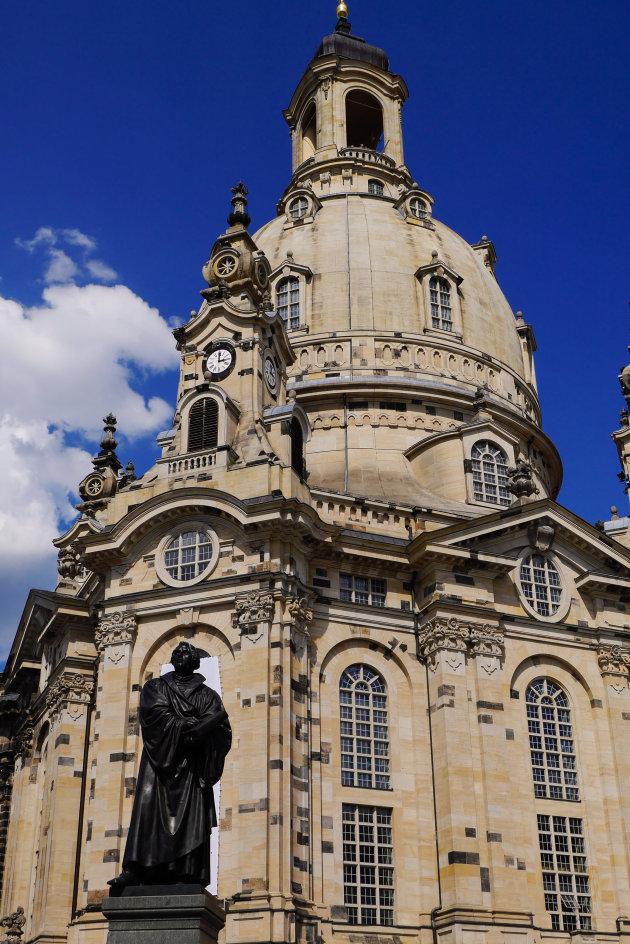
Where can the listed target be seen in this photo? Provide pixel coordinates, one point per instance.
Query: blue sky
(124, 126)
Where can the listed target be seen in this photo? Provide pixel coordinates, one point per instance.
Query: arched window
(298, 208)
(288, 301)
(441, 311)
(489, 470)
(203, 425)
(551, 741)
(560, 837)
(309, 132)
(364, 734)
(364, 120)
(376, 188)
(418, 208)
(297, 447)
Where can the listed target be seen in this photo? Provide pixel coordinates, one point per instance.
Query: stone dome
(364, 256)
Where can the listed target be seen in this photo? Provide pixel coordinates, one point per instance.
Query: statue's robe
(173, 810)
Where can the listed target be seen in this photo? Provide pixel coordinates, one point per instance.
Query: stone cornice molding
(115, 629)
(253, 608)
(76, 689)
(613, 660)
(454, 635)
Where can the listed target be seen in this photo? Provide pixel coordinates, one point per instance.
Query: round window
(541, 585)
(418, 208)
(187, 555)
(298, 208)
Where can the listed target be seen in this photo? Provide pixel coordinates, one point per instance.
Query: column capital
(114, 629)
(455, 635)
(69, 689)
(251, 609)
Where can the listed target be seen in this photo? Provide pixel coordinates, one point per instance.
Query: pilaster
(111, 777)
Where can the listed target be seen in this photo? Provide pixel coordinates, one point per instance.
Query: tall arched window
(288, 301)
(364, 735)
(297, 447)
(551, 741)
(489, 470)
(364, 120)
(560, 837)
(203, 425)
(441, 311)
(309, 132)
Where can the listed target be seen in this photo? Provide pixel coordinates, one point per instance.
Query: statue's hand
(191, 738)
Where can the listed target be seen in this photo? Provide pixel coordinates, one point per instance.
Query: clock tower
(232, 405)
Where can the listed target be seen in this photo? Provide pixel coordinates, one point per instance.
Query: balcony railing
(192, 462)
(368, 155)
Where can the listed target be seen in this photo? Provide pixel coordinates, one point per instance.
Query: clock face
(220, 361)
(271, 374)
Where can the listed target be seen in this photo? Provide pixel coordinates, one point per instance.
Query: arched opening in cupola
(364, 120)
(309, 132)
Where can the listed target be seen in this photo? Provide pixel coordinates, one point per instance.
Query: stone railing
(367, 155)
(193, 462)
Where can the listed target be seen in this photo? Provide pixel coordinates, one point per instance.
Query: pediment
(597, 561)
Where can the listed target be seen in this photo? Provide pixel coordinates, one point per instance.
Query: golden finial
(342, 10)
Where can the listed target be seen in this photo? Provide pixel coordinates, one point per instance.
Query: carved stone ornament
(70, 690)
(300, 612)
(253, 608)
(115, 629)
(13, 925)
(68, 562)
(453, 635)
(521, 480)
(613, 660)
(24, 740)
(541, 535)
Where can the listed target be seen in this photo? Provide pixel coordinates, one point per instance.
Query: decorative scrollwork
(14, 926)
(114, 629)
(69, 688)
(475, 639)
(613, 660)
(24, 740)
(253, 608)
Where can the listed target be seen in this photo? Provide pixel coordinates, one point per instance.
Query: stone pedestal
(167, 914)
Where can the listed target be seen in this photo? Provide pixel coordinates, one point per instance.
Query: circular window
(541, 586)
(298, 208)
(418, 208)
(225, 266)
(187, 555)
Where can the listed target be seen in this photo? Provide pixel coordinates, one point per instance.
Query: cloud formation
(61, 266)
(69, 360)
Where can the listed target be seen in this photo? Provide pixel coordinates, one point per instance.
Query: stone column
(443, 645)
(248, 866)
(614, 665)
(113, 757)
(68, 702)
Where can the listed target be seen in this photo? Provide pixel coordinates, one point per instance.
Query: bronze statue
(186, 736)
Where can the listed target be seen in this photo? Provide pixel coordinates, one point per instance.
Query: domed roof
(365, 256)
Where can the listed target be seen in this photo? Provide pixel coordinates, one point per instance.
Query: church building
(424, 658)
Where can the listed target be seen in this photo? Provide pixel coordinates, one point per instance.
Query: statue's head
(185, 658)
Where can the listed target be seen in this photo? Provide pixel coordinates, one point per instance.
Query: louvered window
(203, 425)
(297, 447)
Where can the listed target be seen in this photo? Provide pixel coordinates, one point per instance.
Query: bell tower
(347, 107)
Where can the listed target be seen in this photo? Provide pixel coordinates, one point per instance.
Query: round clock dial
(271, 374)
(225, 266)
(220, 361)
(93, 485)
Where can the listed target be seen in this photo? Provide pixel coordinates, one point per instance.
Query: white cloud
(61, 268)
(66, 363)
(76, 238)
(43, 235)
(62, 265)
(100, 270)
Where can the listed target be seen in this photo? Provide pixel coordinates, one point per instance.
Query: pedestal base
(175, 914)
